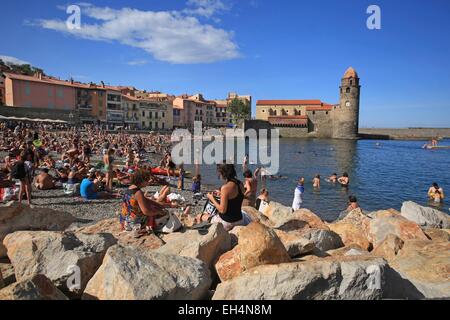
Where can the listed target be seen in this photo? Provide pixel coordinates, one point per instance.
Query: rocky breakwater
(280, 255)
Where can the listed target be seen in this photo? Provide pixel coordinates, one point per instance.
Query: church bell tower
(346, 116)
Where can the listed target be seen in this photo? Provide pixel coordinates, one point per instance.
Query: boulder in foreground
(58, 255)
(207, 248)
(130, 273)
(341, 278)
(426, 264)
(258, 245)
(425, 216)
(38, 287)
(124, 238)
(387, 222)
(15, 217)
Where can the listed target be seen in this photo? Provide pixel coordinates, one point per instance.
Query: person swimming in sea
(344, 180)
(333, 178)
(316, 182)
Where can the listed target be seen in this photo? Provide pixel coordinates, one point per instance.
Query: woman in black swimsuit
(231, 197)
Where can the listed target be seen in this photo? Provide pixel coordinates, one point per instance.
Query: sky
(268, 49)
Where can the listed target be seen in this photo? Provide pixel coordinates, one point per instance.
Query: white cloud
(137, 62)
(206, 8)
(174, 37)
(12, 60)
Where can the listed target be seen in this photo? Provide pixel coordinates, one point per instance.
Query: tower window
(351, 82)
(348, 90)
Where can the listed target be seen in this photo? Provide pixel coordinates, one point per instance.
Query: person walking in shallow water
(298, 194)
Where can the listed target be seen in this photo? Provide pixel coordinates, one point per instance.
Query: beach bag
(172, 225)
(18, 171)
(71, 189)
(263, 205)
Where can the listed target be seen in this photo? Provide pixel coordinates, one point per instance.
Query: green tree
(240, 110)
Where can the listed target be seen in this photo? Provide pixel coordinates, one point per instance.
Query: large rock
(258, 245)
(38, 287)
(311, 218)
(351, 234)
(426, 264)
(438, 234)
(207, 248)
(283, 218)
(425, 216)
(386, 223)
(57, 255)
(15, 217)
(359, 278)
(294, 243)
(130, 273)
(124, 238)
(350, 250)
(389, 248)
(256, 216)
(275, 209)
(323, 240)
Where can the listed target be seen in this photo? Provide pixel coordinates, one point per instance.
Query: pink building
(188, 109)
(39, 92)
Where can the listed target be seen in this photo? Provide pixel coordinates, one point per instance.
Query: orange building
(39, 92)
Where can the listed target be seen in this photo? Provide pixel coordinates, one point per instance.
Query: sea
(383, 174)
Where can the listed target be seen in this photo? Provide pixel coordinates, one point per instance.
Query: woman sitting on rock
(138, 211)
(231, 198)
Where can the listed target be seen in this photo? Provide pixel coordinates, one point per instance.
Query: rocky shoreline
(281, 255)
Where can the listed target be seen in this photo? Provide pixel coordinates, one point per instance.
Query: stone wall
(405, 134)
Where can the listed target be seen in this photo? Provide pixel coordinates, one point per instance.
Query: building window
(49, 92)
(156, 125)
(143, 113)
(100, 113)
(314, 112)
(27, 89)
(351, 82)
(326, 112)
(162, 125)
(150, 115)
(60, 93)
(348, 90)
(163, 114)
(150, 125)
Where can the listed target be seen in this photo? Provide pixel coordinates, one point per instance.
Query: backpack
(18, 171)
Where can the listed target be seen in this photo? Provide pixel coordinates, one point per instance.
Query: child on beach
(181, 177)
(196, 184)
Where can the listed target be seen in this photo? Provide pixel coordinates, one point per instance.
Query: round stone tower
(346, 116)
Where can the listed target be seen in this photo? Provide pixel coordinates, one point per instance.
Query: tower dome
(350, 73)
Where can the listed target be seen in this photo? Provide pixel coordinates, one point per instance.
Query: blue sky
(269, 49)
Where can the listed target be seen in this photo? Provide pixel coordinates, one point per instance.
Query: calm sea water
(383, 174)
